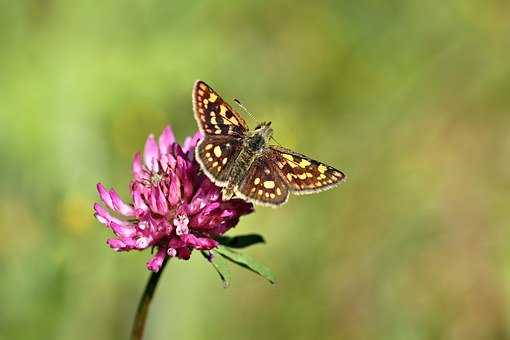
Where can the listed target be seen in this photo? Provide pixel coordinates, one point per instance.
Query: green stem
(143, 305)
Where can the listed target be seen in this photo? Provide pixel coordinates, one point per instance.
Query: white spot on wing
(217, 151)
(268, 184)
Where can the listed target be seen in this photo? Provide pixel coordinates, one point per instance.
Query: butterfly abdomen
(241, 166)
(254, 144)
(238, 171)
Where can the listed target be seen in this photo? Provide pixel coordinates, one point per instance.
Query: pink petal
(181, 165)
(120, 206)
(124, 244)
(184, 253)
(152, 200)
(201, 220)
(105, 196)
(191, 142)
(138, 201)
(197, 204)
(122, 231)
(214, 195)
(178, 151)
(174, 191)
(143, 242)
(176, 243)
(151, 154)
(137, 166)
(241, 207)
(218, 226)
(228, 213)
(181, 224)
(202, 243)
(161, 202)
(157, 201)
(116, 244)
(166, 140)
(104, 217)
(187, 186)
(210, 208)
(156, 261)
(171, 161)
(163, 161)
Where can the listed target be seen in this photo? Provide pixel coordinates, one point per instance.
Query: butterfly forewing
(263, 183)
(213, 115)
(217, 155)
(302, 174)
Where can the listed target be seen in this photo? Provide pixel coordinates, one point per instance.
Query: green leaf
(246, 262)
(241, 241)
(221, 266)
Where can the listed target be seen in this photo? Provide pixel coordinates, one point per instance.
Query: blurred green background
(410, 99)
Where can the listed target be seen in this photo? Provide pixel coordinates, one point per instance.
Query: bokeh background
(410, 99)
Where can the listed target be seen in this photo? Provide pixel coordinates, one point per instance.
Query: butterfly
(243, 162)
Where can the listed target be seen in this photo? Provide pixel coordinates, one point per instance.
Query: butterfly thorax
(257, 139)
(254, 143)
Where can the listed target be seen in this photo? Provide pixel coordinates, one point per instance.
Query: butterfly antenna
(252, 117)
(245, 109)
(276, 141)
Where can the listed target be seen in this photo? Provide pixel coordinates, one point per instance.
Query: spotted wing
(263, 183)
(217, 155)
(302, 174)
(213, 115)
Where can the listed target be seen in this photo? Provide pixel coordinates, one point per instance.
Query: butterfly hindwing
(217, 155)
(263, 183)
(302, 174)
(213, 115)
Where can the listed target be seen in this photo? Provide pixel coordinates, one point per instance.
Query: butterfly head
(265, 130)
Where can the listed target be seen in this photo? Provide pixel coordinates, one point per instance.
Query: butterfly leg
(228, 192)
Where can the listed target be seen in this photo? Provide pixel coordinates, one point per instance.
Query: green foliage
(221, 266)
(245, 261)
(217, 257)
(241, 241)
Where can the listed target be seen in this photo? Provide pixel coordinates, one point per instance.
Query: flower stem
(145, 301)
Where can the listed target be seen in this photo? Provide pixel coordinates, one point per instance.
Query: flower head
(175, 208)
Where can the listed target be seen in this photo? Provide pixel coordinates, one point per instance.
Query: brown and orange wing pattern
(217, 155)
(302, 174)
(215, 116)
(263, 183)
